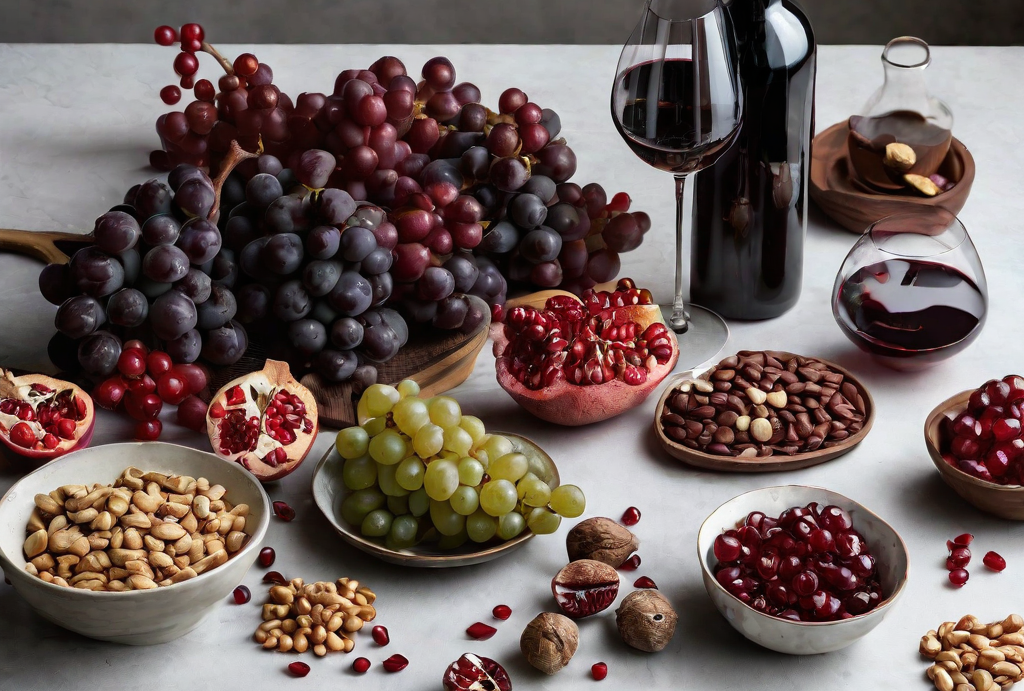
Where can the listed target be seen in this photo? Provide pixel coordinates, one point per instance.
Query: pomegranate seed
(631, 516)
(502, 612)
(963, 540)
(360, 665)
(267, 556)
(631, 564)
(994, 561)
(646, 583)
(132, 363)
(283, 511)
(50, 441)
(241, 595)
(599, 671)
(958, 577)
(959, 557)
(380, 635)
(275, 577)
(480, 631)
(395, 663)
(149, 430)
(298, 669)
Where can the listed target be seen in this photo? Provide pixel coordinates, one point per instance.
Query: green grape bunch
(418, 468)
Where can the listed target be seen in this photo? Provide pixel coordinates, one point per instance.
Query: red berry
(185, 64)
(158, 363)
(136, 344)
(205, 91)
(994, 561)
(170, 94)
(191, 46)
(148, 430)
(599, 671)
(380, 635)
(192, 414)
(360, 665)
(620, 202)
(631, 564)
(283, 511)
(192, 32)
(194, 376)
(298, 669)
(186, 82)
(631, 516)
(241, 595)
(172, 388)
(246, 65)
(646, 583)
(395, 663)
(143, 407)
(958, 577)
(165, 35)
(481, 631)
(109, 393)
(131, 363)
(502, 612)
(267, 556)
(275, 577)
(142, 386)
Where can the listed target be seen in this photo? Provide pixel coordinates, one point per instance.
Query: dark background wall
(940, 22)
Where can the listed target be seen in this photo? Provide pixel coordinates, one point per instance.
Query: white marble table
(76, 125)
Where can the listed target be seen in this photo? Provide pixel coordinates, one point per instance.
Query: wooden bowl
(1005, 501)
(769, 464)
(851, 204)
(329, 491)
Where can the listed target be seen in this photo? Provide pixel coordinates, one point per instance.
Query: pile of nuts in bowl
(972, 656)
(317, 616)
(146, 530)
(758, 403)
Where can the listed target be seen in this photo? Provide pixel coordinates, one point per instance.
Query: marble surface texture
(76, 125)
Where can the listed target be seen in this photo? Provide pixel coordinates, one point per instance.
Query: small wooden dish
(1005, 501)
(329, 491)
(769, 464)
(852, 205)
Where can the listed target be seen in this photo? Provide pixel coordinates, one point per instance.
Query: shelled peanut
(146, 530)
(317, 616)
(972, 656)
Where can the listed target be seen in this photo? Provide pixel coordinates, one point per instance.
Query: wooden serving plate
(855, 206)
(329, 491)
(1005, 501)
(769, 464)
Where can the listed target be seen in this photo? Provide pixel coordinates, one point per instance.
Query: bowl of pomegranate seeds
(801, 570)
(975, 439)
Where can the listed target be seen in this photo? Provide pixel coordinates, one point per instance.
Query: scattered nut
(646, 620)
(601, 539)
(968, 659)
(549, 642)
(922, 184)
(900, 157)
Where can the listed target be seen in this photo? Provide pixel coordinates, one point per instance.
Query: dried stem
(236, 154)
(224, 62)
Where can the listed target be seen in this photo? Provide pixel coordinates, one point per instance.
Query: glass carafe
(902, 111)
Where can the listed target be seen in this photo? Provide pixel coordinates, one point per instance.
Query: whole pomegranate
(42, 418)
(265, 420)
(576, 362)
(473, 673)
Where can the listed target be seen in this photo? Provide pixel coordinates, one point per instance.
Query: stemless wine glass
(676, 103)
(912, 291)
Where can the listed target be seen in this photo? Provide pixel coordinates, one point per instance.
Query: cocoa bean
(719, 449)
(778, 431)
(765, 385)
(810, 374)
(858, 403)
(680, 403)
(752, 373)
(718, 399)
(690, 443)
(810, 403)
(771, 361)
(676, 434)
(841, 434)
(812, 389)
(821, 416)
(736, 404)
(724, 374)
(787, 416)
(759, 411)
(672, 420)
(700, 400)
(793, 364)
(693, 429)
(791, 435)
(796, 387)
(710, 428)
(703, 440)
(724, 435)
(742, 438)
(849, 390)
(705, 412)
(723, 386)
(834, 378)
(789, 378)
(796, 408)
(726, 418)
(731, 362)
(813, 442)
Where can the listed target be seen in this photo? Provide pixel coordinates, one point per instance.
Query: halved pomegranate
(474, 673)
(265, 420)
(42, 418)
(575, 362)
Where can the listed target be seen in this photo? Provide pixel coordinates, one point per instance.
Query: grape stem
(236, 154)
(224, 62)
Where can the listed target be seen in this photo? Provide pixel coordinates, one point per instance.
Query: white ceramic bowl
(799, 637)
(139, 617)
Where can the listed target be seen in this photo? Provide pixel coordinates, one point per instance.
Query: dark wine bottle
(750, 208)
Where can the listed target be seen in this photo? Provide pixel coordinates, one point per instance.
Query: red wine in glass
(671, 134)
(907, 309)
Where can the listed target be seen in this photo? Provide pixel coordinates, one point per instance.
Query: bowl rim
(439, 560)
(957, 403)
(254, 540)
(901, 582)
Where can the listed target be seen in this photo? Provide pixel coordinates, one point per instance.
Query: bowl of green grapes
(419, 483)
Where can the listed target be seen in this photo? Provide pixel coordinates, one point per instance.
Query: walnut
(601, 539)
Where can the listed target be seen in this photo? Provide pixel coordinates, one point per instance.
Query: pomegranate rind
(573, 406)
(476, 673)
(274, 376)
(17, 387)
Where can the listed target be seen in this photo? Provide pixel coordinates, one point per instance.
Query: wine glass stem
(680, 320)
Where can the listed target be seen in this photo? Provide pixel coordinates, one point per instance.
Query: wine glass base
(705, 336)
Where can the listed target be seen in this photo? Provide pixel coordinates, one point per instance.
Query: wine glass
(676, 102)
(912, 291)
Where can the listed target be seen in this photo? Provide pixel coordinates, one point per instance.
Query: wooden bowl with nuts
(113, 563)
(1005, 501)
(763, 411)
